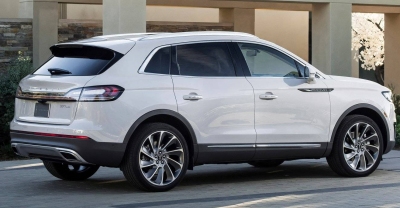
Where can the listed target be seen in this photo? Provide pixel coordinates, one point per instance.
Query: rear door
(216, 100)
(50, 94)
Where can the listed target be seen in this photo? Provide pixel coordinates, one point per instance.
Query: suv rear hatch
(50, 95)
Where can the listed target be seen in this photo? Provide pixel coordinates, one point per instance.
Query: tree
(368, 35)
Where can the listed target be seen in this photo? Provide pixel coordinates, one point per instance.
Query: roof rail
(199, 33)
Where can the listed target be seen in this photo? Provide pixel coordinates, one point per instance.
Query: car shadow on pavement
(110, 182)
(249, 173)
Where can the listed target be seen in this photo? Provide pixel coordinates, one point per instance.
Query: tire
(70, 172)
(363, 153)
(143, 163)
(266, 163)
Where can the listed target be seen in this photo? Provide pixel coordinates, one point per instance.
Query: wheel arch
(366, 110)
(172, 118)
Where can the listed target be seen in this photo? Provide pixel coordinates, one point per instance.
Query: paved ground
(302, 183)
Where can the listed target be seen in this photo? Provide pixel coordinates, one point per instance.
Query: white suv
(156, 105)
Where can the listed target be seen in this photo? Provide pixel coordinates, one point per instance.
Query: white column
(45, 27)
(392, 51)
(124, 16)
(331, 38)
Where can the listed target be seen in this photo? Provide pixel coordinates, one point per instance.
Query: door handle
(192, 96)
(268, 96)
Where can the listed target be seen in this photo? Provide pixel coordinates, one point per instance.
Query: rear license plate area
(42, 110)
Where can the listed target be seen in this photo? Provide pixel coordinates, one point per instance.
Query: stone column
(226, 15)
(124, 16)
(244, 20)
(392, 51)
(331, 38)
(45, 27)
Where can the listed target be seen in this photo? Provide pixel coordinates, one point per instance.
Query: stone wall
(15, 37)
(72, 30)
(16, 34)
(187, 26)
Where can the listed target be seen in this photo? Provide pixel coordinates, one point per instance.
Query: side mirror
(311, 76)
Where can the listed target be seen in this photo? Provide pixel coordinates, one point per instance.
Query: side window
(265, 61)
(205, 59)
(160, 62)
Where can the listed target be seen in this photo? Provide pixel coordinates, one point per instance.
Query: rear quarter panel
(143, 93)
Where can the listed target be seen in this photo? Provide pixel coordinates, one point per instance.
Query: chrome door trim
(233, 146)
(288, 145)
(316, 89)
(298, 145)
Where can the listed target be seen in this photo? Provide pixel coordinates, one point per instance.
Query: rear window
(79, 61)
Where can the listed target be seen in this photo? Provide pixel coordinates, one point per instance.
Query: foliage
(368, 33)
(6, 153)
(9, 81)
(396, 102)
(398, 132)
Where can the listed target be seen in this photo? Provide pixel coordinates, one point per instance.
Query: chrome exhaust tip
(70, 156)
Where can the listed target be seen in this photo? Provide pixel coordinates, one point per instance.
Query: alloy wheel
(161, 158)
(361, 147)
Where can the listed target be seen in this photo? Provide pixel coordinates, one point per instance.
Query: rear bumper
(68, 150)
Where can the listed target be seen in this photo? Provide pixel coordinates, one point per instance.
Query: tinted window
(159, 63)
(205, 59)
(79, 61)
(265, 61)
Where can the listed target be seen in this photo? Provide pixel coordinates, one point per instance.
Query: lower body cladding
(88, 151)
(68, 150)
(225, 153)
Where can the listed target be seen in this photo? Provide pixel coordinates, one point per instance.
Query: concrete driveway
(301, 183)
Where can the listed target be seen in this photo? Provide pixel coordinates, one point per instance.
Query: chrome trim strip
(79, 159)
(148, 58)
(265, 146)
(316, 89)
(288, 145)
(233, 146)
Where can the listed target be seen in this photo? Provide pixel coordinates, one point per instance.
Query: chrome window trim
(278, 49)
(147, 60)
(154, 51)
(273, 47)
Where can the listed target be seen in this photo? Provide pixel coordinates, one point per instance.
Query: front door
(217, 103)
(292, 117)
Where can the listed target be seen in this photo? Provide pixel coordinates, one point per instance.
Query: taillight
(86, 94)
(101, 93)
(72, 95)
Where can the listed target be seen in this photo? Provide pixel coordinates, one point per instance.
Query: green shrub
(6, 153)
(9, 81)
(398, 131)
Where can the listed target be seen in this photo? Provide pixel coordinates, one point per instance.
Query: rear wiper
(55, 71)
